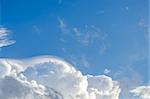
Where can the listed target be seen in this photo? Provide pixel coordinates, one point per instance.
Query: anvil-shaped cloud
(49, 77)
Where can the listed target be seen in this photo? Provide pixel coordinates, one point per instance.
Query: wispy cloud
(84, 35)
(143, 24)
(87, 35)
(103, 48)
(63, 27)
(4, 37)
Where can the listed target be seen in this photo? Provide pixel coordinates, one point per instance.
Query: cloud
(85, 35)
(143, 92)
(63, 27)
(107, 71)
(4, 37)
(35, 77)
(128, 78)
(84, 61)
(103, 87)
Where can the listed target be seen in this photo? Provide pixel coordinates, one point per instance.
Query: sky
(97, 37)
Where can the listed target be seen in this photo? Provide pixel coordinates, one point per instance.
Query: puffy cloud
(142, 91)
(103, 87)
(4, 39)
(13, 88)
(37, 76)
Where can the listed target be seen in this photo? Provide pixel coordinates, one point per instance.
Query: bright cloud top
(48, 77)
(4, 38)
(143, 92)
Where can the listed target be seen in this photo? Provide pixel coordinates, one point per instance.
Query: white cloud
(107, 71)
(4, 39)
(33, 76)
(143, 92)
(16, 88)
(103, 87)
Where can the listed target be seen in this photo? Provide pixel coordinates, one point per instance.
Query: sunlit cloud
(36, 77)
(143, 92)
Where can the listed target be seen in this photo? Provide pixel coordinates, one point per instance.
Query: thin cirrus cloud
(36, 77)
(86, 35)
(4, 37)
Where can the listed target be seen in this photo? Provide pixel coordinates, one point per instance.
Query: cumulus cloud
(143, 92)
(4, 37)
(35, 78)
(14, 88)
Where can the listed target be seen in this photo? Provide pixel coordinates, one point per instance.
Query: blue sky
(93, 35)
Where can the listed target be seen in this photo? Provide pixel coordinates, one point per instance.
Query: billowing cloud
(4, 37)
(143, 92)
(35, 78)
(14, 88)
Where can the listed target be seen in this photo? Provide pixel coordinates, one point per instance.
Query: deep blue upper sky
(112, 34)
